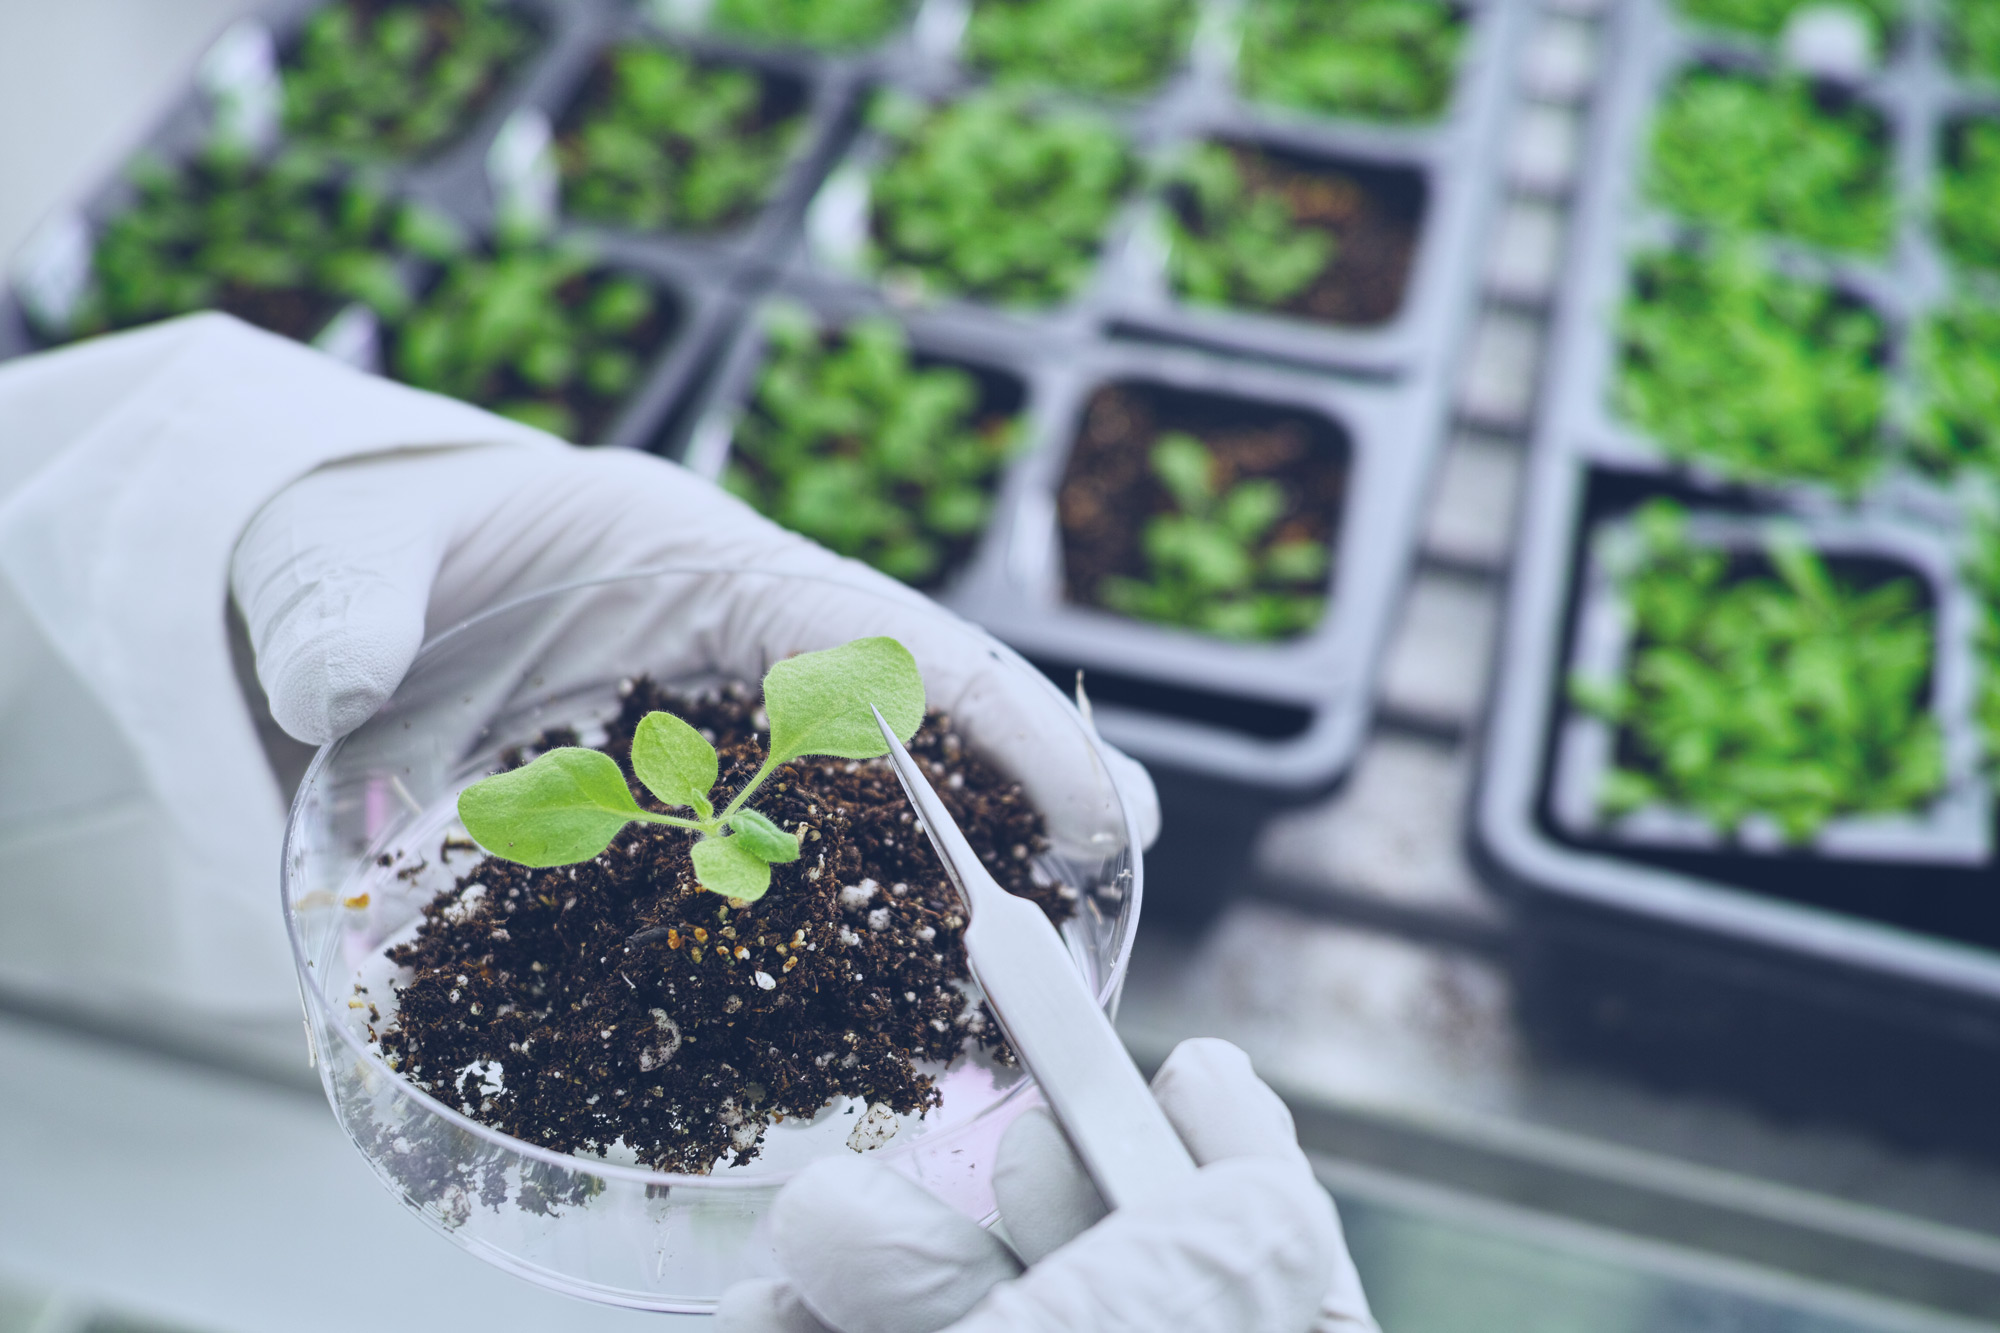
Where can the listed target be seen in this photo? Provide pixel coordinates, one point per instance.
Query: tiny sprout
(569, 804)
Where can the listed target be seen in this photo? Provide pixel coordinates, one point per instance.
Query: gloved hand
(1253, 1245)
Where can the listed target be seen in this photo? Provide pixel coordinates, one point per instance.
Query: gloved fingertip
(324, 685)
(764, 1305)
(1219, 1106)
(1046, 1197)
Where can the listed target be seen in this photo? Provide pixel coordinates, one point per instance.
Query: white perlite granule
(873, 1129)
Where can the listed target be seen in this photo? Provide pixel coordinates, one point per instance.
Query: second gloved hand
(1253, 1245)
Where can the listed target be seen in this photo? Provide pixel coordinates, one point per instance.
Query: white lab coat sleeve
(140, 826)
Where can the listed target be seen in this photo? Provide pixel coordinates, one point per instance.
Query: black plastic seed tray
(234, 94)
(1856, 977)
(1436, 178)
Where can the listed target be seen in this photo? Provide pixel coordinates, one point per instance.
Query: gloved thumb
(333, 578)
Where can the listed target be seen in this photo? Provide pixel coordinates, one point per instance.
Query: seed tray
(830, 255)
(1811, 983)
(55, 264)
(745, 248)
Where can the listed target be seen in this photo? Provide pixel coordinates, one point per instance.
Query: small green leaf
(764, 837)
(819, 702)
(729, 867)
(564, 807)
(674, 762)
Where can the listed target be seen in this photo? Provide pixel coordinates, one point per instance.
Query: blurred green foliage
(1761, 376)
(1092, 46)
(534, 332)
(1767, 18)
(1958, 361)
(282, 245)
(1379, 59)
(1982, 570)
(1214, 562)
(1968, 213)
(1235, 245)
(399, 79)
(852, 443)
(988, 199)
(830, 24)
(1766, 156)
(1797, 697)
(674, 144)
(1974, 37)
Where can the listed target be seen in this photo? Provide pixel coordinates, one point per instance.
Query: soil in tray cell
(1202, 510)
(1784, 156)
(400, 77)
(875, 450)
(1259, 229)
(1949, 902)
(1392, 60)
(282, 244)
(618, 1000)
(1968, 194)
(542, 334)
(1762, 377)
(660, 140)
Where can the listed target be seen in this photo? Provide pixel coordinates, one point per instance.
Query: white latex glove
(1252, 1245)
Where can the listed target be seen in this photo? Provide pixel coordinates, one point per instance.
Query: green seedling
(1973, 37)
(1767, 18)
(674, 143)
(1968, 210)
(281, 245)
(569, 803)
(990, 200)
(1958, 359)
(1218, 560)
(1233, 244)
(1761, 376)
(1760, 155)
(1798, 697)
(538, 333)
(1376, 59)
(1982, 571)
(401, 78)
(1093, 46)
(831, 24)
(851, 443)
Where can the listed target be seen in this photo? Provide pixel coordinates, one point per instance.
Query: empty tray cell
(401, 79)
(1201, 510)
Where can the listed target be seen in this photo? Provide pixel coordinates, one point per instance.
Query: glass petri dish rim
(315, 1004)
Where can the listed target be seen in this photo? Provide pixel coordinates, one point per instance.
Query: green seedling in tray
(1974, 37)
(1217, 561)
(282, 245)
(1958, 359)
(1767, 18)
(1094, 46)
(987, 199)
(569, 803)
(538, 333)
(1764, 377)
(1760, 155)
(675, 143)
(1800, 697)
(851, 443)
(1982, 571)
(830, 24)
(1374, 59)
(401, 78)
(1233, 244)
(1968, 211)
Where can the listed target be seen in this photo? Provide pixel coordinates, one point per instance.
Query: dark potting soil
(1373, 214)
(620, 1001)
(1109, 490)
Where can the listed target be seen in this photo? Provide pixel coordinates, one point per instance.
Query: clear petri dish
(592, 1227)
